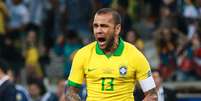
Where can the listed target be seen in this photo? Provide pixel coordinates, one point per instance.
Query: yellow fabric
(139, 44)
(3, 13)
(109, 79)
(32, 57)
(2, 29)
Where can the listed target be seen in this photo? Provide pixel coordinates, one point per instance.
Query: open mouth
(101, 39)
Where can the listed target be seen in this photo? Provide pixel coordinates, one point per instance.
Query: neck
(158, 87)
(113, 47)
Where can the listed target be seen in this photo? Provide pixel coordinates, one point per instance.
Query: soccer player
(109, 66)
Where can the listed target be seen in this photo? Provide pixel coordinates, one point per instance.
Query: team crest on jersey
(123, 70)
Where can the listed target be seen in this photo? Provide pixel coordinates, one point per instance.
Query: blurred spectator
(60, 89)
(122, 8)
(167, 18)
(32, 55)
(59, 45)
(55, 69)
(181, 23)
(152, 7)
(19, 18)
(168, 41)
(191, 14)
(191, 27)
(38, 91)
(36, 12)
(49, 96)
(134, 38)
(164, 94)
(190, 10)
(186, 63)
(186, 60)
(81, 21)
(12, 55)
(198, 3)
(3, 17)
(189, 58)
(171, 4)
(44, 59)
(197, 54)
(54, 21)
(72, 44)
(21, 92)
(7, 88)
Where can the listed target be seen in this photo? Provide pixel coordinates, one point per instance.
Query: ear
(118, 28)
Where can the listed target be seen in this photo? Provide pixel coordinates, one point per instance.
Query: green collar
(117, 52)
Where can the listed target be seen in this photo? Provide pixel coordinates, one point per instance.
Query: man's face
(105, 30)
(60, 87)
(157, 79)
(34, 90)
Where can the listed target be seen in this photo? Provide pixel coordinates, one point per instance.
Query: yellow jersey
(32, 59)
(2, 24)
(109, 77)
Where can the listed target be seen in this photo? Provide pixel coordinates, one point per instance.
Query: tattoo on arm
(72, 94)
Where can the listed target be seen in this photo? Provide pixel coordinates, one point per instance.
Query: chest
(100, 66)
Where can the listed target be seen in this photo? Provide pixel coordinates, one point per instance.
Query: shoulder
(8, 86)
(87, 48)
(130, 46)
(132, 50)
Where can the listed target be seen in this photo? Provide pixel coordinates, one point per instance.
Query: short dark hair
(116, 16)
(4, 66)
(156, 71)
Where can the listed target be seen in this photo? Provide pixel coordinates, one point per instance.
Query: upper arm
(143, 73)
(142, 67)
(76, 76)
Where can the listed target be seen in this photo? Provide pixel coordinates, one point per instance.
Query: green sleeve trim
(71, 83)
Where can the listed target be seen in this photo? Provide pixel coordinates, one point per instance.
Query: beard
(110, 42)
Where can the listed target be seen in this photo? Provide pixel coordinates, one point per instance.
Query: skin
(104, 27)
(72, 94)
(1, 74)
(60, 87)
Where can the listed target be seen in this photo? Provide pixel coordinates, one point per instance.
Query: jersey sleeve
(143, 68)
(143, 73)
(76, 76)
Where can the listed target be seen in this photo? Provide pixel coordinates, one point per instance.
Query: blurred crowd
(38, 38)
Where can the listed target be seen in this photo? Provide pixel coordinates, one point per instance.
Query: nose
(99, 30)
